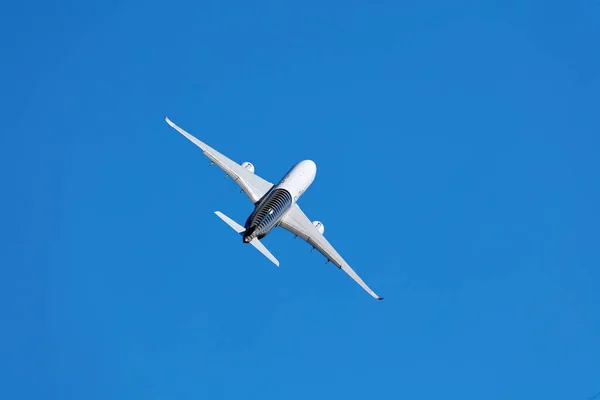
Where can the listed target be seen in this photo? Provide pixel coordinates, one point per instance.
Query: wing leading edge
(253, 185)
(296, 222)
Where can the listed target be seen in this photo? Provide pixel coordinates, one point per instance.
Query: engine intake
(247, 165)
(319, 225)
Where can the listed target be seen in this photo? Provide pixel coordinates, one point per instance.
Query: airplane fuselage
(269, 210)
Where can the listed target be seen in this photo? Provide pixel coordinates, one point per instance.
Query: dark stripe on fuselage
(268, 212)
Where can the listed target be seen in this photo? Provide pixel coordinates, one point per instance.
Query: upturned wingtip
(171, 123)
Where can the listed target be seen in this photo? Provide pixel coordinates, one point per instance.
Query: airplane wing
(296, 222)
(253, 185)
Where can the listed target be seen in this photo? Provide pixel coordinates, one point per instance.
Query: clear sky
(457, 147)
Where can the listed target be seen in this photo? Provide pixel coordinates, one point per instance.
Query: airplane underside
(267, 214)
(275, 205)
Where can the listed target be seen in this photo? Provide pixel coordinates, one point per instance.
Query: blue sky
(457, 150)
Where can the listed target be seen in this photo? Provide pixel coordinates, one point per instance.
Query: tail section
(255, 242)
(261, 247)
(236, 227)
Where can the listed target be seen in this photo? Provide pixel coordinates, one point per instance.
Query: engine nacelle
(247, 165)
(319, 225)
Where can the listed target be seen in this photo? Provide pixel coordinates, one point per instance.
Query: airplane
(275, 205)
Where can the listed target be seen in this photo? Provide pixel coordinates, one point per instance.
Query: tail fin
(255, 242)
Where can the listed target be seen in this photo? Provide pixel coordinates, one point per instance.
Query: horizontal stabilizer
(236, 227)
(258, 245)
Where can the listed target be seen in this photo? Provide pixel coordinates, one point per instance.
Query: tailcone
(248, 235)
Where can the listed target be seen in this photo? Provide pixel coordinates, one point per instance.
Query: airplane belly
(279, 200)
(268, 213)
(298, 179)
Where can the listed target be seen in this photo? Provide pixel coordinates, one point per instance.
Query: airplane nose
(311, 164)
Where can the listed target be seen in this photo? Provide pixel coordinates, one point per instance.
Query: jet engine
(319, 225)
(247, 165)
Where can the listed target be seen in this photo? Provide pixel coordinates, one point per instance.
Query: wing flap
(296, 222)
(253, 185)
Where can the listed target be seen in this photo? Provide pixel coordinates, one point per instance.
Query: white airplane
(275, 205)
